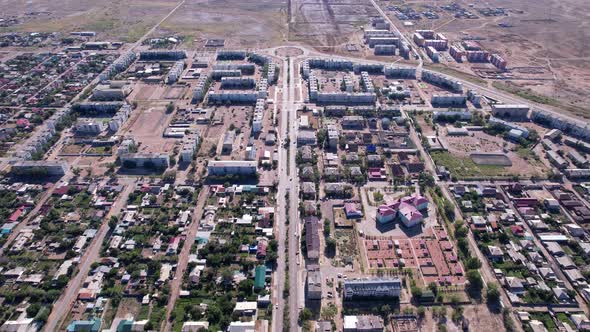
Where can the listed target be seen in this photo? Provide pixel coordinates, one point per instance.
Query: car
(276, 306)
(339, 275)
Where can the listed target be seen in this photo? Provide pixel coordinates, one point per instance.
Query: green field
(541, 99)
(464, 167)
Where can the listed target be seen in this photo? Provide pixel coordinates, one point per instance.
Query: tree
(331, 245)
(33, 309)
(421, 312)
(475, 281)
(305, 315)
(329, 312)
(472, 263)
(169, 108)
(493, 293)
(246, 286)
(326, 227)
(416, 292)
(433, 287)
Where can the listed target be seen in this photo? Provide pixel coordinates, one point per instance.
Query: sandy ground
(125, 20)
(550, 36)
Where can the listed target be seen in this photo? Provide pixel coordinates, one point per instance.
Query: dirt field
(147, 124)
(545, 44)
(245, 24)
(327, 24)
(125, 20)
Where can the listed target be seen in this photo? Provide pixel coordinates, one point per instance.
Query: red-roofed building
(517, 230)
(16, 214)
(261, 250)
(22, 123)
(407, 209)
(352, 212)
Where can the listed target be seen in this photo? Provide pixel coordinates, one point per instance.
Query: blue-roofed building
(84, 326)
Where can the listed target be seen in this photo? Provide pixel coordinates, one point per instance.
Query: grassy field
(528, 94)
(453, 72)
(464, 167)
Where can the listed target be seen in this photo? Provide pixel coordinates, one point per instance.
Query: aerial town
(274, 166)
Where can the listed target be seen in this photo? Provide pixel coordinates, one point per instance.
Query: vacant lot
(248, 24)
(125, 20)
(326, 24)
(462, 167)
(546, 36)
(147, 125)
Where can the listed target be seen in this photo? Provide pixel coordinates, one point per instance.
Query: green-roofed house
(260, 277)
(84, 326)
(125, 326)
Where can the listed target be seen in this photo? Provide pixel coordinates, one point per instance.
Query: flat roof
(232, 163)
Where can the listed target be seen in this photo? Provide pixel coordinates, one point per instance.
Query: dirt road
(63, 305)
(191, 236)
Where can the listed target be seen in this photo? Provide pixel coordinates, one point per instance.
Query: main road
(287, 207)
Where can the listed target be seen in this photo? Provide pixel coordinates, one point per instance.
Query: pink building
(407, 209)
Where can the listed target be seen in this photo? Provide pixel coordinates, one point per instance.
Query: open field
(463, 167)
(243, 24)
(117, 20)
(544, 42)
(327, 24)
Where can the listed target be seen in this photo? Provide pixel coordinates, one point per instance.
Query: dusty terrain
(243, 24)
(545, 43)
(328, 24)
(117, 19)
